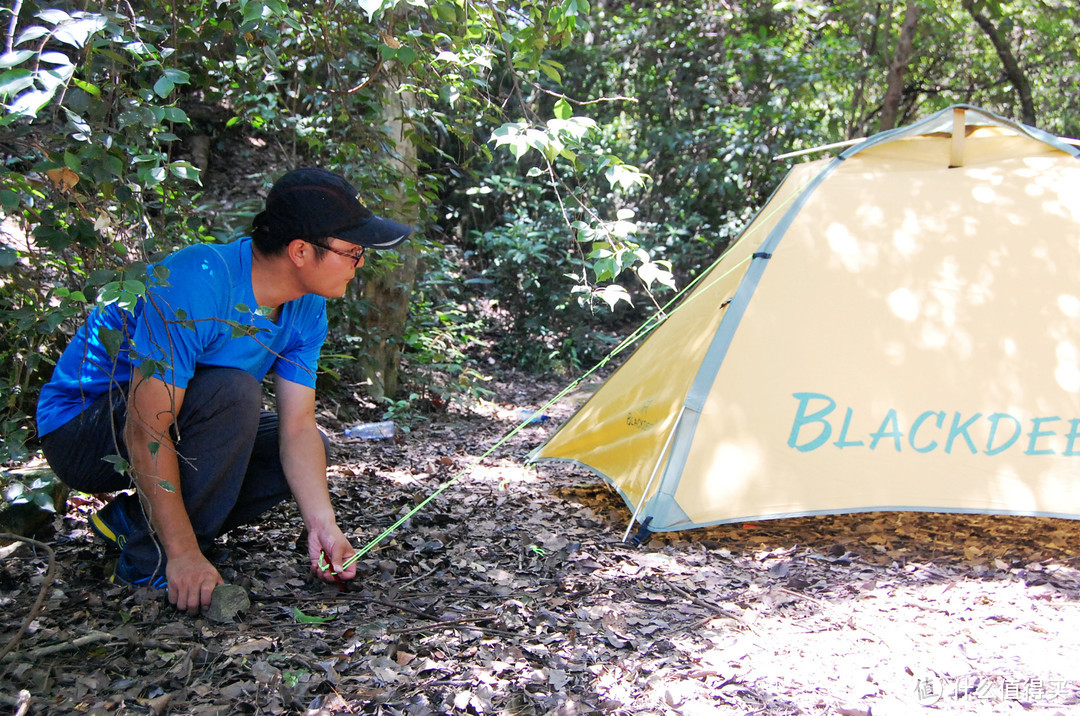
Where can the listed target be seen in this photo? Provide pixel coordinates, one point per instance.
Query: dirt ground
(513, 593)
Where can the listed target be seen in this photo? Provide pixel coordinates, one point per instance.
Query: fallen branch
(91, 638)
(50, 572)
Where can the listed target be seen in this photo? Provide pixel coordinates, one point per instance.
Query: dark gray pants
(230, 467)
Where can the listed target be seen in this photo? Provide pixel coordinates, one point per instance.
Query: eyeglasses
(356, 258)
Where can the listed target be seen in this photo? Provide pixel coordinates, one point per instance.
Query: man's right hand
(191, 581)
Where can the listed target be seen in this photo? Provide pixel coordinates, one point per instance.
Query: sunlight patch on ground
(858, 652)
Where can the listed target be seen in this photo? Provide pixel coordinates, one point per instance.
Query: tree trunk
(894, 91)
(1015, 75)
(388, 292)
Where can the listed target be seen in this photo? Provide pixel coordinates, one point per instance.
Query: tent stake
(652, 477)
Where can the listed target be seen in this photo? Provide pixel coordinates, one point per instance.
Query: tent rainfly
(897, 329)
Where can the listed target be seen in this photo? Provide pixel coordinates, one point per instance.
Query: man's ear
(300, 252)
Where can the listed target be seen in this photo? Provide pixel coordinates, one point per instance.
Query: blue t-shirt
(186, 321)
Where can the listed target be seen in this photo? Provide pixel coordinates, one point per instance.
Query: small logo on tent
(638, 418)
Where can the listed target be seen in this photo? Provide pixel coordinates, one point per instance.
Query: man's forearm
(152, 406)
(157, 475)
(303, 458)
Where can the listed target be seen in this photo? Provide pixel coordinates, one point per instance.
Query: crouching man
(173, 388)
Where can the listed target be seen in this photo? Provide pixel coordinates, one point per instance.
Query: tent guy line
(650, 324)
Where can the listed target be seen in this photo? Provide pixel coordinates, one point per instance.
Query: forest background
(568, 164)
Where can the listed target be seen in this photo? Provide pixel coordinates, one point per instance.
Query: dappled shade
(896, 330)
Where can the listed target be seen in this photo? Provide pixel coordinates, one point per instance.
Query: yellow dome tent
(898, 329)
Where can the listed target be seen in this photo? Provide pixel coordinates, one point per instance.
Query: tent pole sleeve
(652, 477)
(959, 130)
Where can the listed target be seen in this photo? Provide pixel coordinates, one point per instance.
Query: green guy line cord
(650, 324)
(647, 326)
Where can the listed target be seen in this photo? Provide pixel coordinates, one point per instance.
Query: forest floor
(513, 593)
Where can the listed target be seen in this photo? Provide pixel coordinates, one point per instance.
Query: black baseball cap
(313, 204)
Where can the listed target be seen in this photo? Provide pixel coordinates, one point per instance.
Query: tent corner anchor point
(643, 533)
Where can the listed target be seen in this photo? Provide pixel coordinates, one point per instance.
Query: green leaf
(53, 16)
(147, 369)
(140, 48)
(14, 81)
(136, 287)
(551, 69)
(119, 464)
(44, 500)
(15, 493)
(8, 257)
(30, 103)
(371, 7)
(11, 59)
(444, 12)
(32, 33)
(625, 176)
(176, 76)
(163, 87)
(253, 11)
(613, 294)
(77, 32)
(305, 619)
(563, 110)
(576, 7)
(606, 268)
(652, 271)
(151, 176)
(100, 277)
(55, 58)
(166, 485)
(86, 87)
(185, 170)
(175, 114)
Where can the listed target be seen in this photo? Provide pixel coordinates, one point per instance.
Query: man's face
(337, 268)
(328, 275)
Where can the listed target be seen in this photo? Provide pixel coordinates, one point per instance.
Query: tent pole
(652, 477)
(959, 130)
(822, 148)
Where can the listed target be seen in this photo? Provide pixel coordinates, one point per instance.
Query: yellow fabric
(912, 343)
(624, 427)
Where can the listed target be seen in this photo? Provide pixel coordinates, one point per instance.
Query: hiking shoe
(127, 574)
(111, 524)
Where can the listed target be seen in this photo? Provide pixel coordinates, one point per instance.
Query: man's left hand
(333, 543)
